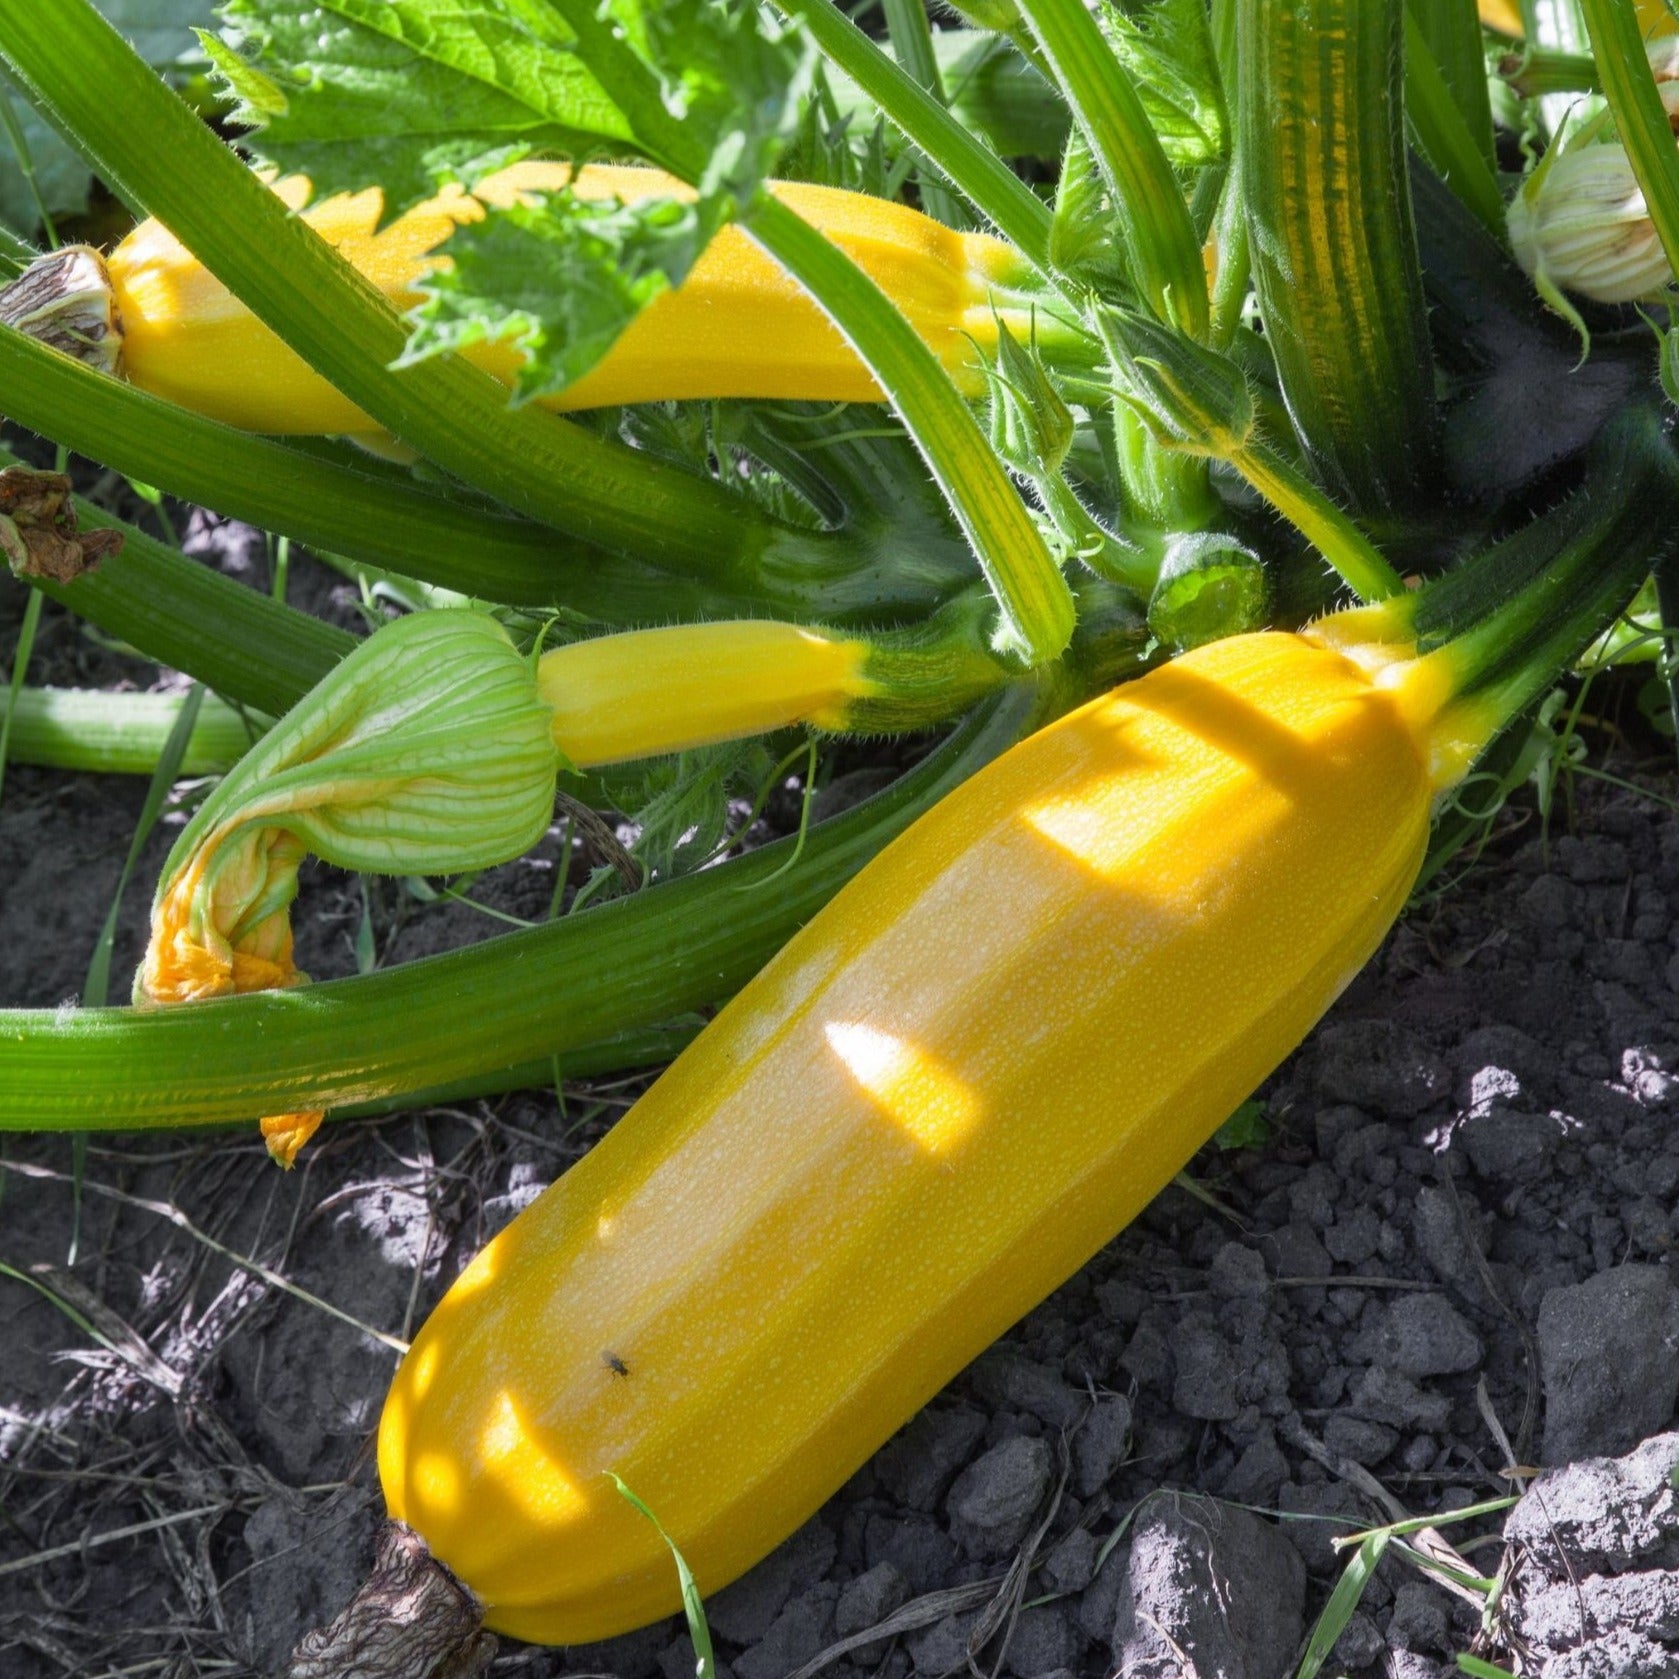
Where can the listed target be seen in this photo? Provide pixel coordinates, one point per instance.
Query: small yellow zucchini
(942, 1097)
(739, 326)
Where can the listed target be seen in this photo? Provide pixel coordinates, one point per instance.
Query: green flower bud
(1193, 399)
(1031, 427)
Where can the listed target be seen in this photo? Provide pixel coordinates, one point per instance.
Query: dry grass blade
(105, 1325)
(921, 1612)
(76, 1547)
(181, 1222)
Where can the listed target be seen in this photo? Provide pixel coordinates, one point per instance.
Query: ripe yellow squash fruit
(739, 326)
(960, 1080)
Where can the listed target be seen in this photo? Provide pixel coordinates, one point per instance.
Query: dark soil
(1447, 1261)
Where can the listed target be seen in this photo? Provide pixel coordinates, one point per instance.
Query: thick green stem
(113, 733)
(371, 515)
(978, 174)
(1032, 595)
(1321, 108)
(521, 998)
(86, 77)
(1512, 621)
(1452, 32)
(1162, 251)
(1452, 147)
(912, 44)
(1640, 117)
(1348, 550)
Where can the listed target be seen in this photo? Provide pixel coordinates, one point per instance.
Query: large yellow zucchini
(738, 327)
(959, 1081)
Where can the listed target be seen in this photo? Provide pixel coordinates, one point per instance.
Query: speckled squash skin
(950, 1089)
(739, 326)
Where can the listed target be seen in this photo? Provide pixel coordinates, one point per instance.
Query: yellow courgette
(960, 1080)
(737, 327)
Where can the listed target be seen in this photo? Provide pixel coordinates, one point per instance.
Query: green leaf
(561, 278)
(1168, 49)
(409, 94)
(1247, 1128)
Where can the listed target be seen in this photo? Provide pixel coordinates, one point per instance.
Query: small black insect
(614, 1363)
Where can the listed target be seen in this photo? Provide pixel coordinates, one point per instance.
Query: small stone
(996, 1496)
(1008, 1382)
(1359, 1645)
(1421, 1335)
(1507, 1049)
(1603, 1515)
(942, 1647)
(1147, 1357)
(1237, 1273)
(1406, 1664)
(1352, 1238)
(1101, 1596)
(1379, 1066)
(1622, 1654)
(1609, 1360)
(1506, 1146)
(1210, 1587)
(917, 1465)
(1549, 902)
(1385, 1395)
(1046, 1640)
(1295, 1251)
(1071, 1563)
(744, 1611)
(922, 1553)
(1590, 860)
(1438, 1228)
(866, 1601)
(1358, 1438)
(803, 1629)
(1329, 1510)
(1101, 1443)
(1205, 1387)
(1419, 1620)
(1259, 1471)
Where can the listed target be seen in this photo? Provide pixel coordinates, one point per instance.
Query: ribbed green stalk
(1510, 621)
(1640, 118)
(1320, 103)
(1162, 252)
(522, 998)
(376, 517)
(1452, 30)
(912, 46)
(248, 648)
(82, 74)
(980, 175)
(1446, 137)
(15, 254)
(114, 733)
